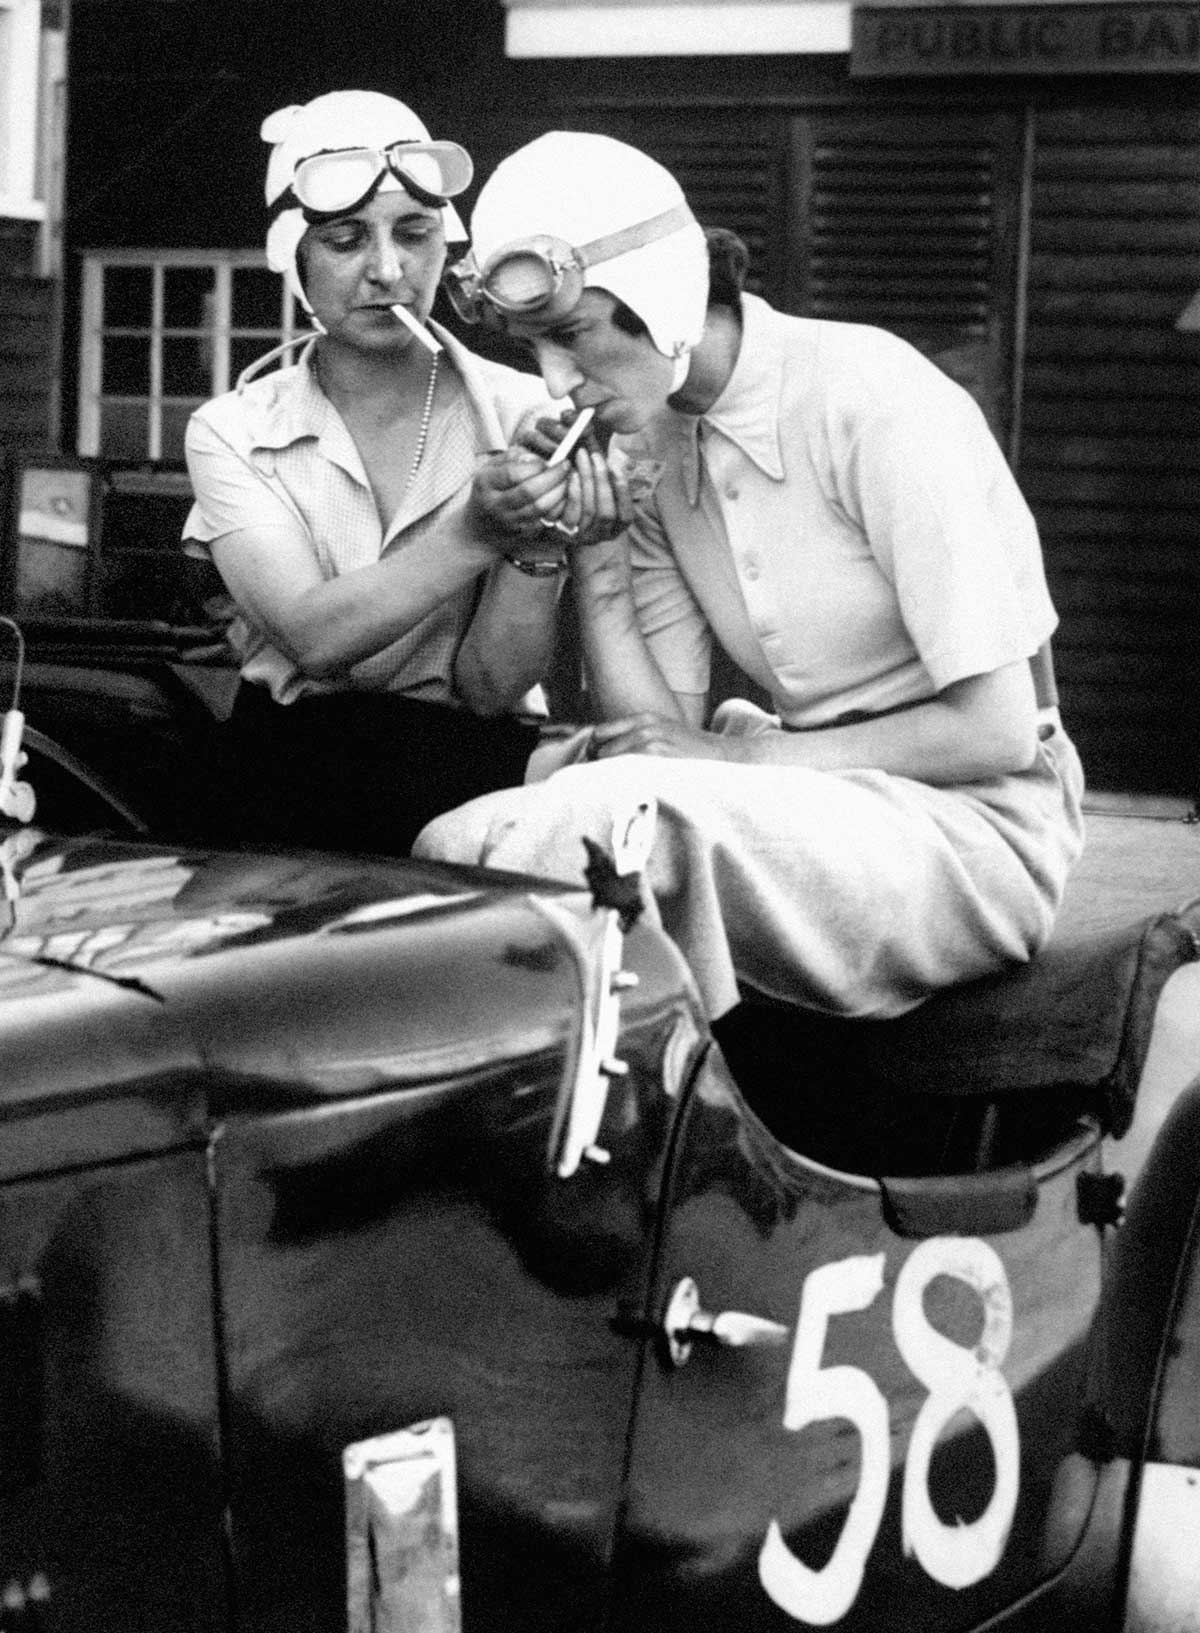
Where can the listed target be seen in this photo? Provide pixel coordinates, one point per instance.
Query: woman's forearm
(326, 626)
(622, 676)
(510, 644)
(984, 726)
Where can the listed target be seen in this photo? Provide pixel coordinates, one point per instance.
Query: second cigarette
(578, 427)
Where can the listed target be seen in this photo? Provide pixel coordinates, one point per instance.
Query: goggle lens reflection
(328, 182)
(521, 282)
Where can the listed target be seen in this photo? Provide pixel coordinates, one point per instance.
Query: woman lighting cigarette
(349, 640)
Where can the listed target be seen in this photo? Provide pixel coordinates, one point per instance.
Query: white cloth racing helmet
(330, 155)
(571, 211)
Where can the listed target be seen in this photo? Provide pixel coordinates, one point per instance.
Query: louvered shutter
(1110, 447)
(907, 221)
(910, 223)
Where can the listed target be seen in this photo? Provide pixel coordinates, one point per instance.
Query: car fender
(1150, 1369)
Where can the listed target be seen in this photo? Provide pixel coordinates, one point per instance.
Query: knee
(456, 836)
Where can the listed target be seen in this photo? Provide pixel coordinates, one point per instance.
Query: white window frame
(675, 28)
(222, 263)
(49, 172)
(20, 73)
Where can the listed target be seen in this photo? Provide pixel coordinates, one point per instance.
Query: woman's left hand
(657, 734)
(602, 495)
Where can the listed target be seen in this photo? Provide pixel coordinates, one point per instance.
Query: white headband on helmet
(580, 187)
(337, 120)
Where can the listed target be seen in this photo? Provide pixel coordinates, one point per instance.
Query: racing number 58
(955, 1378)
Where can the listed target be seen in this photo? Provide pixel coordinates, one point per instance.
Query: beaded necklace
(423, 432)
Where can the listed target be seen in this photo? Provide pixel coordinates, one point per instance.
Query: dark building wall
(1110, 444)
(26, 339)
(167, 96)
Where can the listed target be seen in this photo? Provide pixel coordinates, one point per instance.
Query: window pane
(184, 292)
(257, 298)
(174, 423)
(128, 296)
(186, 366)
(244, 350)
(125, 366)
(124, 430)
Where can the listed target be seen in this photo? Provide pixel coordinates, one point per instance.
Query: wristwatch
(533, 568)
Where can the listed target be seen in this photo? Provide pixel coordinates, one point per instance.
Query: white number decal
(958, 1379)
(815, 1392)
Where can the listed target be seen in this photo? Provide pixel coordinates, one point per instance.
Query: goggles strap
(608, 248)
(466, 281)
(635, 237)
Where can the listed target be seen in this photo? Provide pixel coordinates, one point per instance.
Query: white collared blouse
(278, 453)
(841, 519)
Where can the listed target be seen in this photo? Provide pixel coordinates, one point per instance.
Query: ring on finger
(567, 531)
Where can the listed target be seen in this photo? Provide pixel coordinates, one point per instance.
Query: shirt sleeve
(948, 526)
(229, 493)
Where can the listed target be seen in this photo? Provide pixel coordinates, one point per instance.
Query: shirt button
(731, 490)
(750, 567)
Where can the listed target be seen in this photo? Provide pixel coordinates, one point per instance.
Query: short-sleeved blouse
(842, 519)
(278, 453)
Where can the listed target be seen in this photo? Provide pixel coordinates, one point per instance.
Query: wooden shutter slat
(899, 226)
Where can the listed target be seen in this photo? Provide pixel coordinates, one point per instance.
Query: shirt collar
(747, 410)
(278, 417)
(288, 405)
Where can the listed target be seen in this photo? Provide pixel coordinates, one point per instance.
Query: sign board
(1135, 38)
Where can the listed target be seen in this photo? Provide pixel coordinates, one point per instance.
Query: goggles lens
(329, 182)
(526, 279)
(539, 278)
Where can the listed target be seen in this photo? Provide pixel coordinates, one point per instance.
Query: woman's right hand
(598, 505)
(516, 491)
(579, 502)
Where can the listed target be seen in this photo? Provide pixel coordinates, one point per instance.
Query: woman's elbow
(999, 720)
(315, 655)
(486, 693)
(317, 662)
(1009, 747)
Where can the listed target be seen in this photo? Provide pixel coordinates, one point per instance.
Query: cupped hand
(657, 734)
(605, 508)
(516, 492)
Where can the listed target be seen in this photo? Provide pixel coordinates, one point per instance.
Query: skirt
(357, 771)
(852, 893)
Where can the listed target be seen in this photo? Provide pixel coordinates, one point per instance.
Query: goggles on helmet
(543, 277)
(336, 182)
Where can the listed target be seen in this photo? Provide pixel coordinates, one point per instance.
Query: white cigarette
(418, 329)
(578, 427)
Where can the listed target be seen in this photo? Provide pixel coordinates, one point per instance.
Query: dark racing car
(390, 1246)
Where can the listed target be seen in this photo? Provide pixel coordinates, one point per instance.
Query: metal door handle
(686, 1320)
